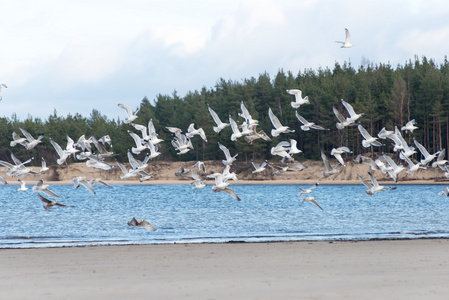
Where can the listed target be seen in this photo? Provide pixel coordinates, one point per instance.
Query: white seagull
(299, 100)
(22, 187)
(258, 168)
(229, 159)
(368, 139)
(17, 140)
(220, 125)
(352, 115)
(309, 190)
(130, 115)
(236, 133)
(337, 152)
(410, 126)
(427, 156)
(32, 142)
(346, 43)
(40, 186)
(306, 125)
(374, 187)
(2, 85)
(342, 122)
(278, 127)
(191, 131)
(312, 200)
(329, 170)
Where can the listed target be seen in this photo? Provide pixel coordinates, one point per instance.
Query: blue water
(184, 215)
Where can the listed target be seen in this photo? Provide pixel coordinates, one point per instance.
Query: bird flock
(147, 142)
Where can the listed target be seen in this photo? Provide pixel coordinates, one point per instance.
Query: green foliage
(388, 97)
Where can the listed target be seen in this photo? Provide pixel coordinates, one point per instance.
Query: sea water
(183, 215)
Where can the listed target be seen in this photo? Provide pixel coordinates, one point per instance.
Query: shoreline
(249, 182)
(395, 269)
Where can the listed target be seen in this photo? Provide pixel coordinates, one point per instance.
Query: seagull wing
(232, 193)
(363, 132)
(348, 108)
(274, 120)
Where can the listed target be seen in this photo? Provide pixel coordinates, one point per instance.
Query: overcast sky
(75, 56)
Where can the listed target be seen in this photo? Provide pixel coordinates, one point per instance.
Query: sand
(164, 173)
(382, 269)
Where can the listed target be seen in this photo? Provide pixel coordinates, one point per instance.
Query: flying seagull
(2, 85)
(346, 43)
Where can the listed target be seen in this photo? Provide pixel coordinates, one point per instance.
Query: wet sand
(381, 269)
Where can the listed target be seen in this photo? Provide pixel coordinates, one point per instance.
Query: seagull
(306, 124)
(130, 116)
(22, 187)
(281, 150)
(3, 181)
(191, 131)
(410, 126)
(229, 159)
(201, 166)
(248, 118)
(126, 174)
(299, 100)
(278, 127)
(99, 181)
(81, 180)
(40, 186)
(18, 168)
(374, 187)
(337, 152)
(384, 133)
(346, 43)
(352, 115)
(258, 168)
(366, 160)
(406, 150)
(141, 223)
(293, 148)
(31, 141)
(17, 140)
(140, 146)
(312, 200)
(221, 185)
(444, 192)
(440, 162)
(329, 170)
(309, 190)
(103, 152)
(63, 154)
(220, 125)
(236, 133)
(427, 157)
(106, 139)
(199, 184)
(50, 203)
(2, 85)
(342, 122)
(396, 169)
(44, 167)
(368, 139)
(413, 167)
(183, 172)
(99, 164)
(152, 133)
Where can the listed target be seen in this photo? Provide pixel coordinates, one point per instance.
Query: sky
(74, 56)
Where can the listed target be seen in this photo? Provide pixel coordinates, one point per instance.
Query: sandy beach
(383, 269)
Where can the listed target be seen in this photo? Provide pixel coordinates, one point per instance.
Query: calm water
(183, 215)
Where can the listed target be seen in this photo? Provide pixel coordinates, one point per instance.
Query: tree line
(387, 96)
